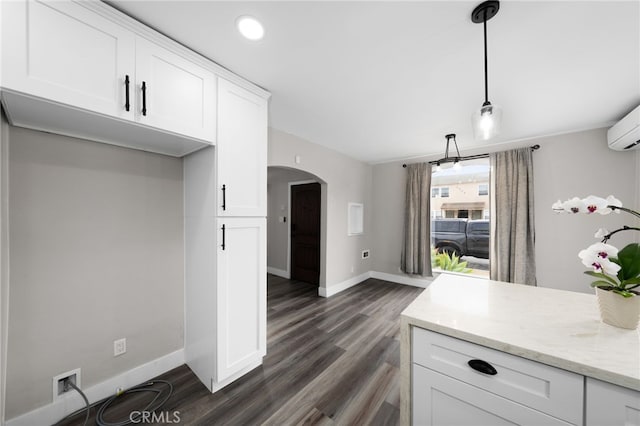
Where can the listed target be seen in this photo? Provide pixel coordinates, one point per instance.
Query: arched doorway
(296, 225)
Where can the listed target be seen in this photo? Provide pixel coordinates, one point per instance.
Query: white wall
(388, 219)
(4, 265)
(96, 254)
(346, 180)
(277, 208)
(576, 164)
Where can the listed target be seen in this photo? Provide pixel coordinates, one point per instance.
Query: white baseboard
(71, 402)
(279, 272)
(402, 279)
(337, 288)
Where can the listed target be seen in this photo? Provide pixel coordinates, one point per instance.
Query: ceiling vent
(625, 134)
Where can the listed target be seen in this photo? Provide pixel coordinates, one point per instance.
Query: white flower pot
(618, 311)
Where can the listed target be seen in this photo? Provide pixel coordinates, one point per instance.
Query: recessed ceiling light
(250, 27)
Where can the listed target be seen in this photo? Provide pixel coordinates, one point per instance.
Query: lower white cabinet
(454, 382)
(611, 405)
(225, 298)
(461, 383)
(225, 281)
(242, 295)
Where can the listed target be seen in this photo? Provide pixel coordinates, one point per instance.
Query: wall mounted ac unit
(625, 134)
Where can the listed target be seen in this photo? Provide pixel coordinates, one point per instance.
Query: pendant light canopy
(486, 120)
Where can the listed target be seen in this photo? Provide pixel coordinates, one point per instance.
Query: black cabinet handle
(223, 238)
(144, 98)
(482, 366)
(126, 93)
(224, 197)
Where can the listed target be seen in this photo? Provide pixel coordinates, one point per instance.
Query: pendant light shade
(487, 120)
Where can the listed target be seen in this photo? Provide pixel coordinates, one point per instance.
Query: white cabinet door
(611, 405)
(61, 51)
(241, 294)
(173, 93)
(440, 400)
(242, 151)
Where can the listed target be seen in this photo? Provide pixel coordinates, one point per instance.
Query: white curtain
(416, 250)
(513, 230)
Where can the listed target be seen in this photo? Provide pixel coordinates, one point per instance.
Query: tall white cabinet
(225, 242)
(83, 69)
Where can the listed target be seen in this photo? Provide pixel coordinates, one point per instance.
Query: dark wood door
(305, 233)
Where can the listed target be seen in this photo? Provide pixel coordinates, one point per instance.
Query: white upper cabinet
(178, 95)
(242, 151)
(72, 68)
(66, 53)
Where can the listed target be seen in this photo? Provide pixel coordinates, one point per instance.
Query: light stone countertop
(554, 327)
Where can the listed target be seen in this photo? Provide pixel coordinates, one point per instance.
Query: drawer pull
(224, 197)
(482, 366)
(144, 98)
(126, 93)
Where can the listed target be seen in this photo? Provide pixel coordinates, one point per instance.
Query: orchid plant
(615, 270)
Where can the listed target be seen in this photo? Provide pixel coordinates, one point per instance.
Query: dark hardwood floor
(329, 361)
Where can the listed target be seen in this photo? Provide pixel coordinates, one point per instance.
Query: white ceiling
(387, 80)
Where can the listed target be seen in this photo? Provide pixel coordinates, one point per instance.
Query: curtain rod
(468, 157)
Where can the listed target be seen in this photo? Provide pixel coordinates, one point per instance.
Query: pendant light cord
(486, 66)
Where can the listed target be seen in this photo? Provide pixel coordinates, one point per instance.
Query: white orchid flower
(603, 250)
(601, 233)
(574, 205)
(596, 204)
(597, 256)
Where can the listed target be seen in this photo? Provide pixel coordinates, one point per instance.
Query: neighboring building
(461, 193)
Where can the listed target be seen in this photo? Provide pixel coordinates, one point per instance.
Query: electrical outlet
(59, 388)
(119, 346)
(365, 254)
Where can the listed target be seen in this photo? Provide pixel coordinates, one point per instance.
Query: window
(460, 220)
(480, 227)
(455, 226)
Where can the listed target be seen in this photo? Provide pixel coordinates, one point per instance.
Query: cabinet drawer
(548, 389)
(442, 400)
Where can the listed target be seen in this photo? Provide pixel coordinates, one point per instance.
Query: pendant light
(449, 159)
(486, 120)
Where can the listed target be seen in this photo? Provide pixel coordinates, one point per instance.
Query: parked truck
(461, 237)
